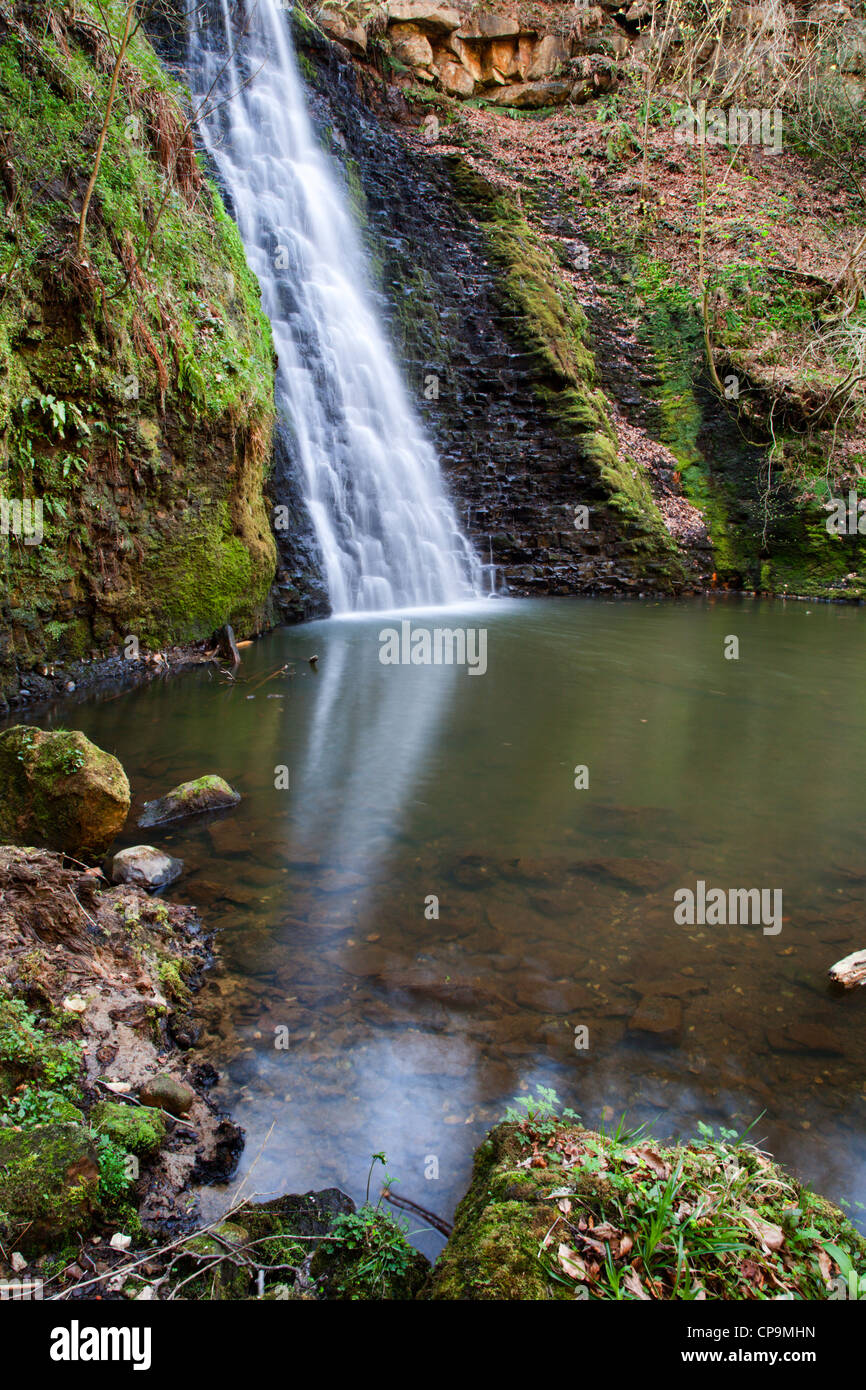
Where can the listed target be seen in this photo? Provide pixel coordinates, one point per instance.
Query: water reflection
(411, 1032)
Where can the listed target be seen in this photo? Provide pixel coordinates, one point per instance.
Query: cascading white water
(388, 534)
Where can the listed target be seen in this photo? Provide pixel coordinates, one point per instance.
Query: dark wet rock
(805, 1037)
(146, 867)
(560, 997)
(208, 793)
(473, 872)
(225, 1147)
(167, 1093)
(659, 1016)
(60, 792)
(643, 875)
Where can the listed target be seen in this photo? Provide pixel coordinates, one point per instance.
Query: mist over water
(387, 532)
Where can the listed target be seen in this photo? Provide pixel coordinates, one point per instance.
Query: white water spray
(388, 534)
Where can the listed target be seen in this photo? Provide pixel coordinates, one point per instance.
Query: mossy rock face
(48, 1184)
(207, 793)
(137, 1129)
(140, 414)
(225, 1275)
(492, 1253)
(59, 791)
(555, 1211)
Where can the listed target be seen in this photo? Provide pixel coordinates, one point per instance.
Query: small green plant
(378, 1252)
(539, 1117)
(115, 1170)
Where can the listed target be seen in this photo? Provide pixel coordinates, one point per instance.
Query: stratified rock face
(440, 17)
(146, 867)
(50, 1180)
(59, 791)
(207, 793)
(481, 328)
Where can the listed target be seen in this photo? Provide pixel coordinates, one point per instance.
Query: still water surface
(410, 1034)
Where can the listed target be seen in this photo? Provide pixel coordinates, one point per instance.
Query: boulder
(49, 1187)
(550, 53)
(59, 791)
(533, 95)
(207, 793)
(351, 36)
(439, 18)
(146, 867)
(411, 46)
(455, 80)
(136, 1128)
(164, 1092)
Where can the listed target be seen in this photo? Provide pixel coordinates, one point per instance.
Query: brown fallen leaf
(564, 1206)
(824, 1265)
(632, 1282)
(644, 1153)
(571, 1262)
(605, 1231)
(771, 1237)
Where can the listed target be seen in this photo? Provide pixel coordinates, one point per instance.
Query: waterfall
(388, 535)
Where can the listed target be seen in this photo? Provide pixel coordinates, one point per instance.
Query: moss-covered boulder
(48, 1185)
(208, 793)
(59, 791)
(226, 1272)
(556, 1211)
(136, 1129)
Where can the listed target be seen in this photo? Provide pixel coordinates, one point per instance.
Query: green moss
(139, 414)
(762, 509)
(557, 1211)
(554, 329)
(135, 1129)
(60, 791)
(48, 1185)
